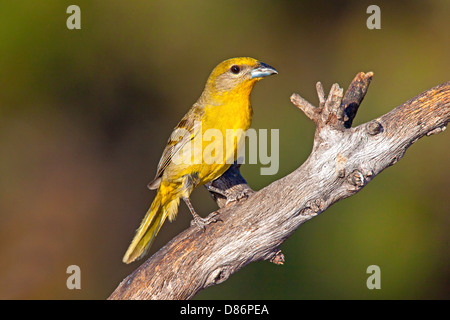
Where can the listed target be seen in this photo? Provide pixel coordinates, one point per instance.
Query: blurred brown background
(85, 114)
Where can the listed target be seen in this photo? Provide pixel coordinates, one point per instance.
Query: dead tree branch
(343, 160)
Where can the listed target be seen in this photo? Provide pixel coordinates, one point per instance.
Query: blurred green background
(85, 115)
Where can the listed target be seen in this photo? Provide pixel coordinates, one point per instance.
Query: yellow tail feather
(150, 225)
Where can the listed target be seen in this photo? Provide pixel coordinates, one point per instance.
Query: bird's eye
(235, 69)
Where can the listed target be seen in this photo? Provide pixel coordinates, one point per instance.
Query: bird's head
(237, 76)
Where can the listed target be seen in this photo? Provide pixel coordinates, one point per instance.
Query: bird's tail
(165, 205)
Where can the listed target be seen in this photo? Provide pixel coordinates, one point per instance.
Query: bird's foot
(238, 196)
(229, 195)
(201, 223)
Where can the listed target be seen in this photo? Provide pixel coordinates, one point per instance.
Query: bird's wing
(183, 133)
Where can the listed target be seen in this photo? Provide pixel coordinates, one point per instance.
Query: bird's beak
(263, 70)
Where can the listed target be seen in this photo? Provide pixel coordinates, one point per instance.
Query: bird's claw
(229, 195)
(237, 197)
(201, 223)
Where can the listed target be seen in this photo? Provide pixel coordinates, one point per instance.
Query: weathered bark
(343, 160)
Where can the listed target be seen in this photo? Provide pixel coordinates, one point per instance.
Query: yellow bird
(185, 164)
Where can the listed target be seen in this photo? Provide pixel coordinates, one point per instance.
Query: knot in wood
(374, 127)
(356, 178)
(312, 207)
(219, 275)
(278, 258)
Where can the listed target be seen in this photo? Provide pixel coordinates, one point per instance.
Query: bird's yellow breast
(232, 119)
